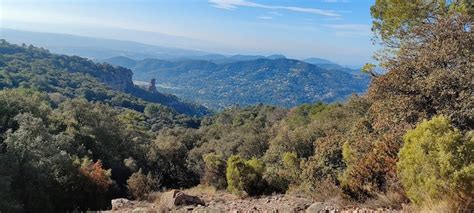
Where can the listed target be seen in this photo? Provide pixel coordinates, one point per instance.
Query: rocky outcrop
(121, 203)
(152, 87)
(117, 78)
(175, 198)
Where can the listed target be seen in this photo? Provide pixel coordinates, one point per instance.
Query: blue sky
(338, 30)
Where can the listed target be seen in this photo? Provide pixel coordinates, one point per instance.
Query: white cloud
(275, 13)
(344, 30)
(333, 19)
(357, 27)
(232, 4)
(265, 17)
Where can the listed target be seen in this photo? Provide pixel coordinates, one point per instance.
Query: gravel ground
(225, 202)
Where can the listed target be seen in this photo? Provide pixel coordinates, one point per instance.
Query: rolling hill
(280, 81)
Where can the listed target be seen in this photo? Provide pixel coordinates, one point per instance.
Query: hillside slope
(72, 76)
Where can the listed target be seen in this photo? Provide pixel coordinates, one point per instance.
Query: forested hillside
(249, 80)
(71, 76)
(407, 144)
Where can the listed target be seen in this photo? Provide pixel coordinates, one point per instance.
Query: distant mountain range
(100, 49)
(247, 81)
(213, 80)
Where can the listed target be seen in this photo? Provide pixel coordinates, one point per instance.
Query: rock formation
(152, 87)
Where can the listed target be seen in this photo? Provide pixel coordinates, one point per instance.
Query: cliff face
(117, 78)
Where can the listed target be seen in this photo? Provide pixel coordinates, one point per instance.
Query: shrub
(280, 176)
(140, 185)
(130, 163)
(245, 176)
(436, 163)
(96, 183)
(214, 171)
(96, 174)
(291, 165)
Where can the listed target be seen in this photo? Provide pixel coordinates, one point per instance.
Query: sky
(338, 30)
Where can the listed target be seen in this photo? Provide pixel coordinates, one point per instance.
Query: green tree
(43, 177)
(393, 19)
(436, 162)
(167, 157)
(32, 147)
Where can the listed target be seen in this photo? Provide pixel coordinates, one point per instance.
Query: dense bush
(437, 163)
(285, 174)
(214, 171)
(245, 177)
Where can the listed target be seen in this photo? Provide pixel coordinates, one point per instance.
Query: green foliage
(29, 145)
(214, 171)
(370, 69)
(160, 117)
(429, 75)
(235, 131)
(45, 177)
(245, 176)
(286, 174)
(394, 18)
(167, 157)
(140, 185)
(13, 102)
(297, 132)
(437, 162)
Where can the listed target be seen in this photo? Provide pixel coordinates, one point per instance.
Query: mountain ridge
(282, 82)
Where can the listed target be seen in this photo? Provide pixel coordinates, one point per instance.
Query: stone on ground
(176, 198)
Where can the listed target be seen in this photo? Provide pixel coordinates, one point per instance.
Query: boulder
(120, 203)
(316, 207)
(176, 198)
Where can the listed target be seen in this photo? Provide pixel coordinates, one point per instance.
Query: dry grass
(200, 190)
(325, 192)
(390, 200)
(444, 206)
(154, 197)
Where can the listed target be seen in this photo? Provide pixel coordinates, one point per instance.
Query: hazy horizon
(338, 30)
